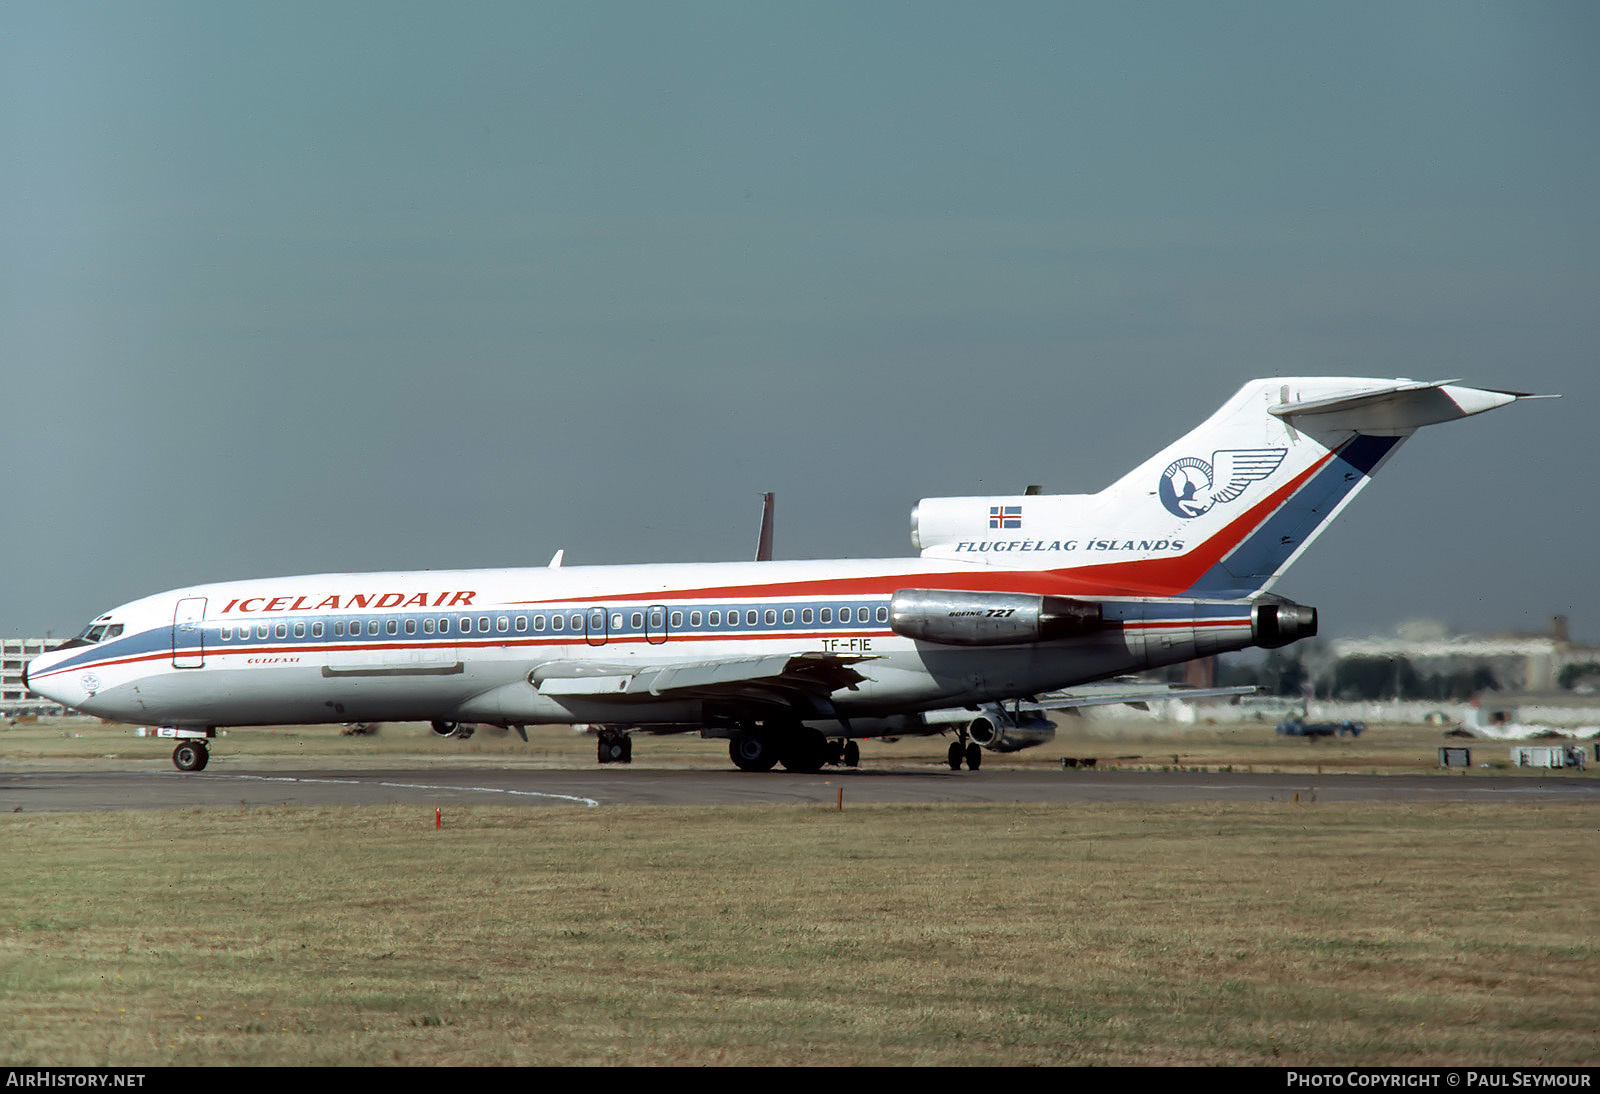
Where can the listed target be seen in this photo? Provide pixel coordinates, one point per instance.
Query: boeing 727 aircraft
(1010, 596)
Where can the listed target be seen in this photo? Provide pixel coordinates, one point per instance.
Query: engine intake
(1001, 731)
(958, 618)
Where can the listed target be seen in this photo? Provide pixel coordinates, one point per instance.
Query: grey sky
(305, 287)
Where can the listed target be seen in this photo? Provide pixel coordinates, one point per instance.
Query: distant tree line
(1282, 672)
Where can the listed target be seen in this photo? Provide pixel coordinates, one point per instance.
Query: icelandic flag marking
(1005, 516)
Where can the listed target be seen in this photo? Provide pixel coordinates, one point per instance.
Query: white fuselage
(461, 645)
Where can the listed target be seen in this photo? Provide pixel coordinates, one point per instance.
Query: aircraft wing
(1133, 692)
(800, 680)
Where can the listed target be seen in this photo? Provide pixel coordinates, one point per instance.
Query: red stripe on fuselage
(1156, 577)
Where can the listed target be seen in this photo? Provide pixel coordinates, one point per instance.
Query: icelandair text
(310, 603)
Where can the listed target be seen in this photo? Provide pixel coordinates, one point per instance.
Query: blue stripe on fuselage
(1251, 565)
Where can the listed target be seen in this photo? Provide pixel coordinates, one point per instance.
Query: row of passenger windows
(619, 622)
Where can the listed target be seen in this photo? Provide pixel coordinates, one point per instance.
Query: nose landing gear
(191, 756)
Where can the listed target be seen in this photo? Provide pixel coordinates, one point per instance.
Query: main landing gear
(797, 748)
(970, 752)
(614, 746)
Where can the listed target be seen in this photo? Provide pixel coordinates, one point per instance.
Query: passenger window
(750, 618)
(788, 615)
(466, 625)
(411, 626)
(338, 628)
(677, 620)
(316, 629)
(427, 626)
(771, 616)
(694, 619)
(538, 623)
(636, 621)
(522, 623)
(616, 621)
(227, 633)
(883, 614)
(714, 619)
(577, 622)
(299, 630)
(393, 626)
(444, 626)
(805, 615)
(281, 631)
(827, 615)
(261, 630)
(483, 624)
(372, 626)
(558, 622)
(502, 624)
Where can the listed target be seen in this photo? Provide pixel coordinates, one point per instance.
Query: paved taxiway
(66, 791)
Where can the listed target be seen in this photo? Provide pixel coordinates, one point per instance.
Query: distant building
(1521, 662)
(15, 699)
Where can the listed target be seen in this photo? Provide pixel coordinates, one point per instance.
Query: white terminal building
(15, 699)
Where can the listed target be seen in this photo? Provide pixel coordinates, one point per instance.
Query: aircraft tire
(953, 758)
(190, 756)
(974, 757)
(852, 754)
(805, 752)
(753, 752)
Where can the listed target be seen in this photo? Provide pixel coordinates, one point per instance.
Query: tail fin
(1221, 512)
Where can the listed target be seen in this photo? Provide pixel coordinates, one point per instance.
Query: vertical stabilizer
(1223, 510)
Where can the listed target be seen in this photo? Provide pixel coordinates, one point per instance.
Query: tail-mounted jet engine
(1275, 622)
(1002, 730)
(957, 618)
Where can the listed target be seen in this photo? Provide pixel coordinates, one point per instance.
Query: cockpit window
(113, 630)
(94, 634)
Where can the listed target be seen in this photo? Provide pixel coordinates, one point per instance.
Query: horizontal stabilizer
(1395, 410)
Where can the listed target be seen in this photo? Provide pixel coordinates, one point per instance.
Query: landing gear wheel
(852, 754)
(805, 752)
(613, 747)
(974, 757)
(753, 752)
(953, 758)
(191, 756)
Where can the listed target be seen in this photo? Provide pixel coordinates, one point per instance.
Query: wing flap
(1118, 691)
(814, 674)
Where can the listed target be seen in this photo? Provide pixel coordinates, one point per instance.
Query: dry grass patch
(1249, 933)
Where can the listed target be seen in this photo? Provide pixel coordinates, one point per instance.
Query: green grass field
(1270, 933)
(1382, 749)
